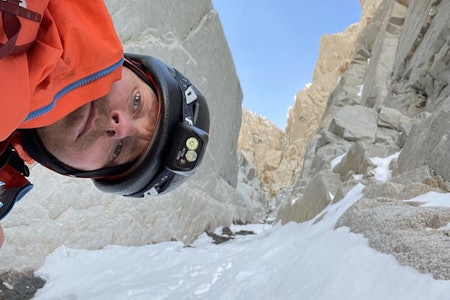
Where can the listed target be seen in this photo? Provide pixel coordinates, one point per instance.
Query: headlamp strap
(189, 96)
(160, 182)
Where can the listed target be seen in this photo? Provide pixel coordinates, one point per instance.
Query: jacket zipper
(77, 84)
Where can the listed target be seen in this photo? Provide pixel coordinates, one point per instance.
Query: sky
(275, 46)
(310, 260)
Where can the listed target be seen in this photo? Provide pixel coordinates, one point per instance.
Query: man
(131, 123)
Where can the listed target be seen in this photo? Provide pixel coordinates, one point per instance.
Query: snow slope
(311, 260)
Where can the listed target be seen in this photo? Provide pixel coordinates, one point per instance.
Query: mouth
(88, 122)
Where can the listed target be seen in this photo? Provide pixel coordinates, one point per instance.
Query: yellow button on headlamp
(192, 143)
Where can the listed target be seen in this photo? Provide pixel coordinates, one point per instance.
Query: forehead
(129, 79)
(123, 87)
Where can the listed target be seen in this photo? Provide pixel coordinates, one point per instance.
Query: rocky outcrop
(62, 211)
(262, 143)
(306, 113)
(279, 164)
(393, 101)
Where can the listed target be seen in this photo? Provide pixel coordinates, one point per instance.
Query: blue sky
(275, 45)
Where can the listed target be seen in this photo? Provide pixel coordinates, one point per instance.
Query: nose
(120, 125)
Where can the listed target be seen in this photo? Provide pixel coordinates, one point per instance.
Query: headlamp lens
(192, 143)
(191, 156)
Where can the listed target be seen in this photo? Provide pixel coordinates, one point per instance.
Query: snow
(337, 160)
(432, 199)
(311, 260)
(361, 88)
(382, 172)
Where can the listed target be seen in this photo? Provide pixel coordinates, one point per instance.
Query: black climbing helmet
(175, 151)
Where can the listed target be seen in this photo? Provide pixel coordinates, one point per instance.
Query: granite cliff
(279, 158)
(392, 100)
(384, 94)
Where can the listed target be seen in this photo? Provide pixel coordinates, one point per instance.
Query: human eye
(136, 101)
(117, 150)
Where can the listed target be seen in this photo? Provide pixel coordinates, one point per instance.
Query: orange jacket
(74, 60)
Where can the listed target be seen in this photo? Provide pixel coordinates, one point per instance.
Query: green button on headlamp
(191, 156)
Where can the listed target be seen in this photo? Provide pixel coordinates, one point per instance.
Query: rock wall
(278, 156)
(305, 115)
(392, 101)
(63, 211)
(262, 144)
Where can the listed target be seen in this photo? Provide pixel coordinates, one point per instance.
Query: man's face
(107, 132)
